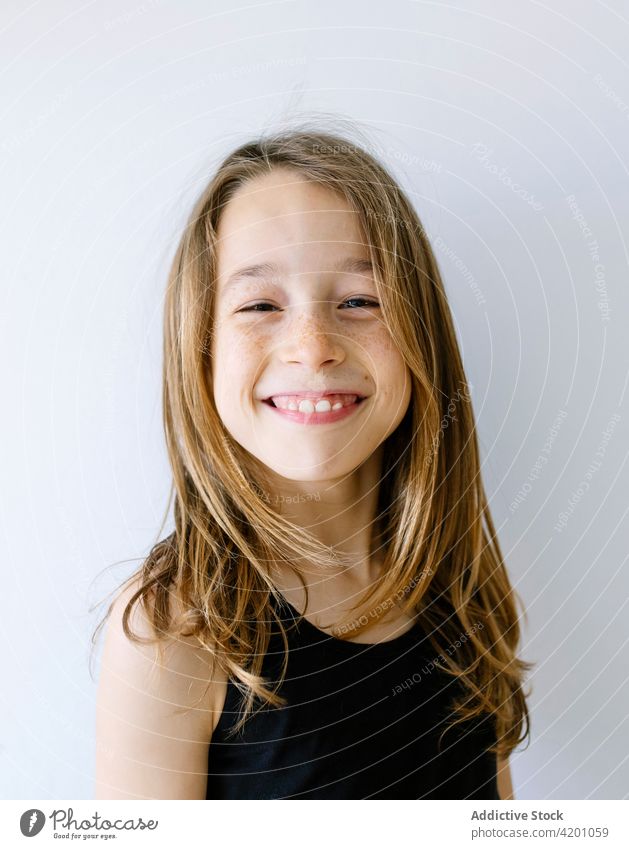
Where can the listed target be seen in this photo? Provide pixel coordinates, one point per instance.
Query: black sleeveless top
(362, 721)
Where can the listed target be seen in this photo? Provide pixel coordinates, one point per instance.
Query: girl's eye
(254, 307)
(364, 300)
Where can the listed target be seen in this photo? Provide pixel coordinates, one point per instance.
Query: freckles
(241, 357)
(381, 344)
(391, 370)
(250, 346)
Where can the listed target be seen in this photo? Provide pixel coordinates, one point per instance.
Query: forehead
(283, 215)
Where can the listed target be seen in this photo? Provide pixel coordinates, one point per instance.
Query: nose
(312, 339)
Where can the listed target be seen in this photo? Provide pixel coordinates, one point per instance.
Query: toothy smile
(303, 404)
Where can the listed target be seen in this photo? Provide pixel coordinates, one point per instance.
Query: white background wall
(113, 116)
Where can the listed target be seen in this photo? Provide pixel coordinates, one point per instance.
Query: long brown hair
(442, 558)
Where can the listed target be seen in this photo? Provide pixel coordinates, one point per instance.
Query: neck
(340, 513)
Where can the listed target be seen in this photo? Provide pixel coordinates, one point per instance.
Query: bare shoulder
(155, 715)
(505, 783)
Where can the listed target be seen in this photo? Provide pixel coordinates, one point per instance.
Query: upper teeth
(311, 405)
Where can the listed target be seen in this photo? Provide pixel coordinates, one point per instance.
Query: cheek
(385, 354)
(237, 357)
(393, 376)
(240, 336)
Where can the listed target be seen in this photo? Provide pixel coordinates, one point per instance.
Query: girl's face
(297, 312)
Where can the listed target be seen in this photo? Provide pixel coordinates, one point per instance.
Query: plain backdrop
(506, 123)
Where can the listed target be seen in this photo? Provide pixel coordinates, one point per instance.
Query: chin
(316, 470)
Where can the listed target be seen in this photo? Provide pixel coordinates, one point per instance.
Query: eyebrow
(348, 265)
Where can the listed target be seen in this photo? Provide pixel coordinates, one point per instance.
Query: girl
(332, 613)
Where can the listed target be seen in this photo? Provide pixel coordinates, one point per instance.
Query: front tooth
(306, 406)
(323, 406)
